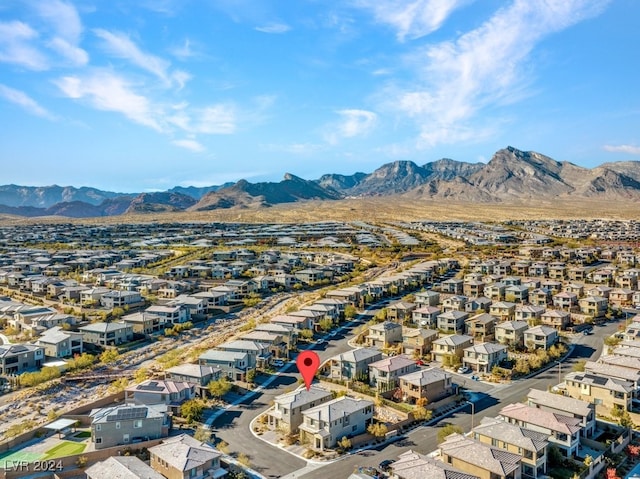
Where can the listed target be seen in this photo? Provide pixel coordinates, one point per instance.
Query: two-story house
(450, 346)
(530, 445)
(452, 321)
(540, 337)
(155, 391)
(324, 425)
(594, 306)
(556, 319)
(107, 334)
(59, 343)
(412, 465)
(20, 358)
(197, 374)
(483, 357)
(384, 334)
(427, 316)
(354, 364)
(480, 459)
(562, 431)
(432, 384)
(481, 326)
(286, 415)
(384, 374)
(183, 457)
(567, 406)
(233, 364)
(511, 332)
(601, 390)
(417, 341)
(118, 425)
(503, 310)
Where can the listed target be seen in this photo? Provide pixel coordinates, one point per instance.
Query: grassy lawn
(83, 434)
(11, 459)
(66, 448)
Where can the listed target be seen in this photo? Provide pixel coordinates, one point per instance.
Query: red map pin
(308, 363)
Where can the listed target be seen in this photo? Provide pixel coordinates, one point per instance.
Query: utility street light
(473, 411)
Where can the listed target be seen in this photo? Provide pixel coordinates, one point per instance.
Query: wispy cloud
(483, 68)
(352, 123)
(301, 149)
(120, 45)
(183, 52)
(16, 46)
(67, 26)
(273, 28)
(191, 145)
(412, 19)
(25, 101)
(105, 90)
(629, 149)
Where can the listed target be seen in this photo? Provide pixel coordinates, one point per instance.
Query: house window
(137, 424)
(98, 427)
(193, 472)
(98, 440)
(117, 425)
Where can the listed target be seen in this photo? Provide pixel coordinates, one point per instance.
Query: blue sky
(148, 94)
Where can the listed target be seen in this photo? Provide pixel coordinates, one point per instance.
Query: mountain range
(510, 175)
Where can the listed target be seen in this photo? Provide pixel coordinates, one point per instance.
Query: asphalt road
(424, 439)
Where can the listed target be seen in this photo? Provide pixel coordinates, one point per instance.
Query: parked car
(278, 363)
(420, 362)
(386, 464)
(464, 369)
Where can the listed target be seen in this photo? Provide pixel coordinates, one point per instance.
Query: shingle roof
(512, 434)
(122, 467)
(412, 465)
(542, 418)
(184, 452)
(559, 402)
(481, 455)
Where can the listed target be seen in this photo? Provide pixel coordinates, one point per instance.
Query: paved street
(233, 425)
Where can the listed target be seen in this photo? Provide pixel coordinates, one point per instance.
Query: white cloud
(16, 46)
(67, 25)
(412, 19)
(629, 149)
(352, 123)
(120, 45)
(184, 51)
(107, 91)
(484, 67)
(216, 120)
(25, 101)
(274, 28)
(191, 145)
(294, 148)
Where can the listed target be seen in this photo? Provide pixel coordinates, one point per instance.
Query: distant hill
(510, 175)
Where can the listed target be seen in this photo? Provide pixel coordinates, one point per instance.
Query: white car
(278, 363)
(463, 369)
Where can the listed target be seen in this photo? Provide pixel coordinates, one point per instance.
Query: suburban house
(478, 305)
(384, 334)
(183, 457)
(432, 384)
(107, 334)
(427, 316)
(155, 391)
(170, 314)
(481, 326)
(617, 372)
(145, 322)
(480, 459)
(118, 425)
(456, 302)
(59, 343)
(384, 374)
(427, 298)
(483, 357)
(354, 364)
(412, 465)
(400, 311)
(417, 342)
(324, 425)
(563, 431)
(530, 314)
(601, 390)
(120, 299)
(453, 345)
(594, 306)
(565, 300)
(555, 318)
(197, 374)
(20, 358)
(122, 467)
(541, 297)
(495, 291)
(286, 415)
(511, 332)
(258, 353)
(233, 364)
(567, 406)
(503, 310)
(621, 297)
(540, 337)
(530, 445)
(452, 321)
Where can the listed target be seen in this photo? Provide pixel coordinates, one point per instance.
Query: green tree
(325, 324)
(421, 413)
(350, 311)
(219, 388)
(447, 430)
(251, 376)
(344, 443)
(377, 430)
(192, 410)
(109, 355)
(117, 312)
(306, 334)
